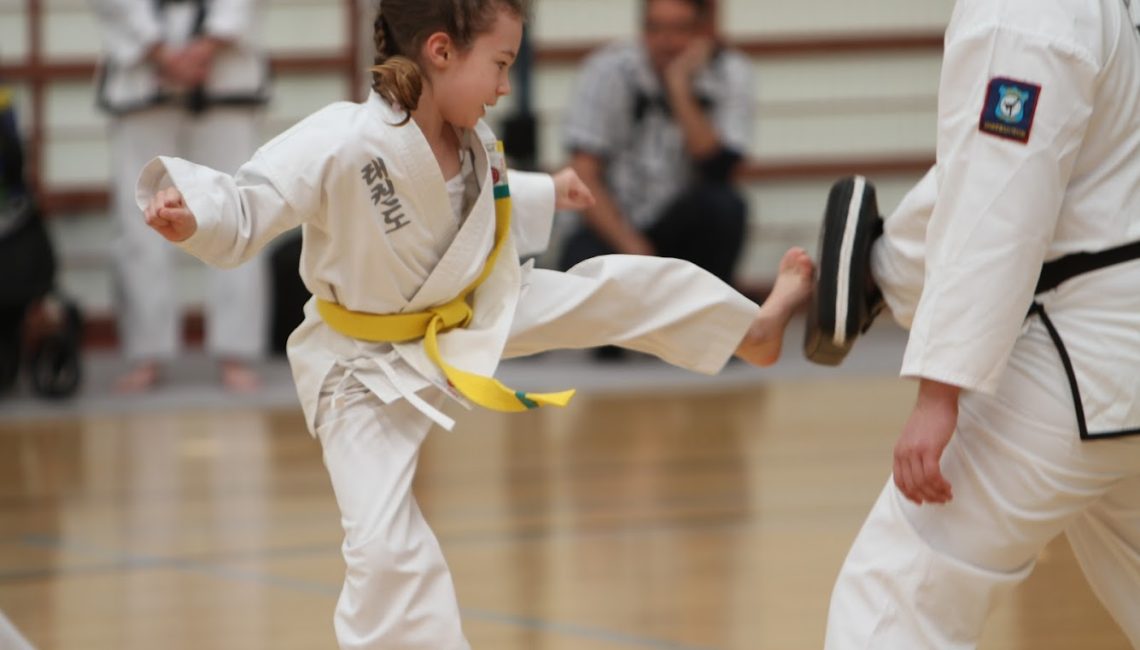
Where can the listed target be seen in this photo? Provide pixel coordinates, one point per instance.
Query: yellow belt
(399, 328)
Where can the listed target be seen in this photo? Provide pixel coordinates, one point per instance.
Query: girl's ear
(439, 50)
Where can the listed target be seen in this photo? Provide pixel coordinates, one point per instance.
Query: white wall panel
(75, 144)
(295, 26)
(824, 136)
(297, 95)
(75, 160)
(13, 31)
(576, 21)
(553, 87)
(749, 18)
(71, 105)
(790, 204)
(823, 79)
(70, 32)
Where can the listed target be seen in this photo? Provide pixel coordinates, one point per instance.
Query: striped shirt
(618, 113)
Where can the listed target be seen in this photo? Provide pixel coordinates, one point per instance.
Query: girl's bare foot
(238, 377)
(140, 379)
(794, 284)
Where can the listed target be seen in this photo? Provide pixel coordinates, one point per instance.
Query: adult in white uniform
(1029, 397)
(402, 211)
(180, 77)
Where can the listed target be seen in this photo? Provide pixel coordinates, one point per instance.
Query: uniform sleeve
(734, 116)
(129, 28)
(600, 110)
(237, 215)
(532, 211)
(230, 20)
(1000, 190)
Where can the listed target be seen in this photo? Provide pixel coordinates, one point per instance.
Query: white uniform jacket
(128, 82)
(380, 237)
(1038, 157)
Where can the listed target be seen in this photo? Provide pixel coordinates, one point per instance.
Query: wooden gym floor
(708, 520)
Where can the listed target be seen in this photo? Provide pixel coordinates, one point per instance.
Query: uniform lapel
(464, 259)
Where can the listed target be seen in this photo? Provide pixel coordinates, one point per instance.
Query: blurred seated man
(657, 130)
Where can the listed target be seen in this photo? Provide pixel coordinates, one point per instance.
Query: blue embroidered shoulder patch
(1009, 109)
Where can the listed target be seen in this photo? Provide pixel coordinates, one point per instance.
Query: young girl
(412, 240)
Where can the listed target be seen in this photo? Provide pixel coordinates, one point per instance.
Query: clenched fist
(167, 213)
(570, 193)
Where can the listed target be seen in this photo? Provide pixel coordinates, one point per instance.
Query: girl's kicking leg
(669, 308)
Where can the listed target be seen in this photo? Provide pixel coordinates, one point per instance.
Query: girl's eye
(502, 66)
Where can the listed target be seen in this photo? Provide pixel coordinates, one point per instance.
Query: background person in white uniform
(403, 200)
(180, 77)
(1029, 395)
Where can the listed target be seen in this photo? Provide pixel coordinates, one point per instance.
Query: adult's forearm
(606, 219)
(702, 140)
(938, 394)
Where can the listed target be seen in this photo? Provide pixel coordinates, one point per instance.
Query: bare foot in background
(238, 377)
(140, 379)
(794, 284)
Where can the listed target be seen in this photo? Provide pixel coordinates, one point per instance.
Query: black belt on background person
(1052, 275)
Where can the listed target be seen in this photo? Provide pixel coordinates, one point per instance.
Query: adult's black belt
(1070, 266)
(1052, 275)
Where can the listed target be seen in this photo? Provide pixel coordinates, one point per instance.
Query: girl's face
(469, 81)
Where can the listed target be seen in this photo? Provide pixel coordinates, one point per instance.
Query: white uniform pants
(926, 577)
(149, 308)
(666, 307)
(398, 592)
(10, 637)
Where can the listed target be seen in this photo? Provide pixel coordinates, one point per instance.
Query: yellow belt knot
(456, 313)
(405, 327)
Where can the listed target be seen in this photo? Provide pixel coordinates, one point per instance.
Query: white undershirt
(463, 188)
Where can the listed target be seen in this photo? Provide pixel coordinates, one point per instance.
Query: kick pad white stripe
(843, 281)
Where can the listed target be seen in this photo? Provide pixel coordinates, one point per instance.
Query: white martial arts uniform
(1038, 158)
(381, 236)
(10, 637)
(217, 125)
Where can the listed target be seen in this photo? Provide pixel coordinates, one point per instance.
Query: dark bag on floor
(26, 257)
(26, 260)
(55, 351)
(28, 269)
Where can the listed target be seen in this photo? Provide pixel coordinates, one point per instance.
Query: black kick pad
(846, 299)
